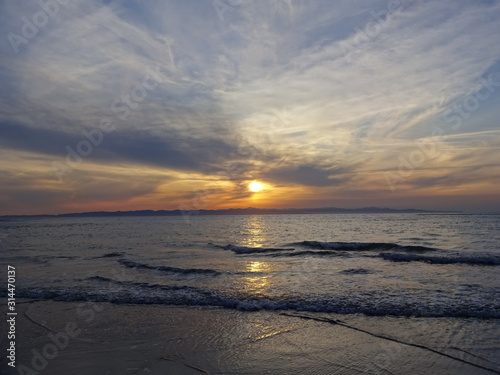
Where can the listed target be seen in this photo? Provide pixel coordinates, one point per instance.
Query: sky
(128, 105)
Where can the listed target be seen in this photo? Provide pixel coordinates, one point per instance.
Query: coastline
(156, 339)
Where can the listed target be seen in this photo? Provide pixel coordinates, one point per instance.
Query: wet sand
(56, 338)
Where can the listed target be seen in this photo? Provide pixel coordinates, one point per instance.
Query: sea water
(375, 264)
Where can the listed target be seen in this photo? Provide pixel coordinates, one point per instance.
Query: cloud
(168, 149)
(317, 95)
(308, 175)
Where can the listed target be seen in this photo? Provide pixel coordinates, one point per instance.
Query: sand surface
(148, 339)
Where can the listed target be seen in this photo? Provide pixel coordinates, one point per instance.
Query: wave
(362, 246)
(184, 271)
(110, 255)
(324, 246)
(357, 271)
(375, 304)
(317, 245)
(483, 260)
(39, 259)
(388, 251)
(251, 250)
(322, 253)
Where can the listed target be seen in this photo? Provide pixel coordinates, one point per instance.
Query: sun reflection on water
(258, 266)
(254, 231)
(259, 280)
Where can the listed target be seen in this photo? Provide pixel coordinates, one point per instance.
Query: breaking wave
(110, 255)
(362, 246)
(322, 253)
(252, 250)
(388, 251)
(483, 260)
(324, 247)
(373, 303)
(357, 271)
(184, 271)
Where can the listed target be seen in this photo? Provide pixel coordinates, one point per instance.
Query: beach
(134, 339)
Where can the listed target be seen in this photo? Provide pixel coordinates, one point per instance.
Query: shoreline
(89, 338)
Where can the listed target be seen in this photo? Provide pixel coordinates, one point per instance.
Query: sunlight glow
(255, 186)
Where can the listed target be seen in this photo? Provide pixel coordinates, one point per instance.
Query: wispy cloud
(318, 98)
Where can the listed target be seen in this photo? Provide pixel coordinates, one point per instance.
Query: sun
(255, 186)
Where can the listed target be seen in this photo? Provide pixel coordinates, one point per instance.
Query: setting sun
(255, 186)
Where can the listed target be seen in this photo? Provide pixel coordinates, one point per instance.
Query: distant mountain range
(242, 211)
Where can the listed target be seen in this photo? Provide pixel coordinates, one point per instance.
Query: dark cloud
(309, 175)
(164, 149)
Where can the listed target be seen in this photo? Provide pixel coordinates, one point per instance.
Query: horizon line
(231, 211)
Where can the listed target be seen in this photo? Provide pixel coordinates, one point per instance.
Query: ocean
(403, 265)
